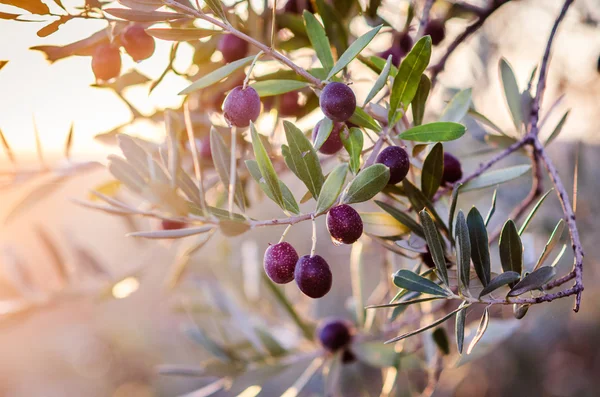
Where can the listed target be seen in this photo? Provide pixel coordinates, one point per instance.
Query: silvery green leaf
(267, 88)
(434, 132)
(484, 120)
(497, 177)
(266, 167)
(362, 119)
(325, 129)
(380, 82)
(435, 245)
(499, 281)
(172, 234)
(463, 250)
(217, 75)
(331, 188)
(552, 241)
(366, 184)
(419, 100)
(558, 128)
(483, 324)
(511, 248)
(302, 159)
(413, 282)
(353, 50)
(459, 327)
(533, 211)
(458, 107)
(288, 197)
(353, 143)
(480, 252)
(511, 93)
(318, 39)
(534, 280)
(222, 158)
(433, 169)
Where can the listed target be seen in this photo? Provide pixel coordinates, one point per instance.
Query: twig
(424, 18)
(266, 49)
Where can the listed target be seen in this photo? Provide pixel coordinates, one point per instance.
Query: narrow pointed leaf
(485, 121)
(419, 100)
(216, 7)
(497, 177)
(425, 328)
(419, 201)
(458, 107)
(435, 245)
(483, 324)
(302, 159)
(463, 250)
(143, 16)
(499, 281)
(318, 39)
(511, 248)
(267, 88)
(434, 132)
(492, 208)
(413, 282)
(459, 327)
(363, 119)
(355, 48)
(288, 197)
(367, 184)
(181, 34)
(172, 234)
(402, 217)
(511, 93)
(480, 252)
(217, 75)
(405, 303)
(552, 241)
(331, 188)
(558, 128)
(325, 129)
(532, 213)
(433, 169)
(221, 158)
(408, 78)
(560, 254)
(380, 82)
(266, 167)
(455, 191)
(534, 280)
(353, 143)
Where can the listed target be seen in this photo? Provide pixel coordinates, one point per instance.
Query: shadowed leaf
(459, 327)
(483, 324)
(435, 245)
(318, 38)
(511, 248)
(413, 282)
(463, 250)
(266, 167)
(511, 93)
(433, 168)
(552, 241)
(480, 252)
(534, 280)
(267, 88)
(499, 281)
(331, 188)
(353, 143)
(419, 100)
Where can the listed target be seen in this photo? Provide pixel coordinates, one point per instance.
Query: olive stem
(313, 249)
(285, 232)
(232, 171)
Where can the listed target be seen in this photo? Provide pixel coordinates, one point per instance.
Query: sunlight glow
(251, 391)
(125, 287)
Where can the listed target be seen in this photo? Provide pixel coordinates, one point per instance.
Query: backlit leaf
(266, 166)
(143, 16)
(459, 327)
(217, 75)
(380, 224)
(181, 34)
(33, 6)
(511, 93)
(302, 159)
(277, 87)
(419, 100)
(558, 128)
(532, 213)
(353, 143)
(222, 158)
(353, 50)
(434, 132)
(463, 250)
(458, 107)
(483, 324)
(552, 241)
(318, 39)
(367, 183)
(288, 197)
(171, 234)
(380, 82)
(331, 188)
(325, 129)
(425, 328)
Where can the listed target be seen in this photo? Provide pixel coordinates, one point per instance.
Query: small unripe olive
(344, 224)
(106, 62)
(396, 159)
(241, 106)
(333, 143)
(280, 262)
(232, 47)
(452, 169)
(313, 276)
(335, 334)
(337, 101)
(139, 44)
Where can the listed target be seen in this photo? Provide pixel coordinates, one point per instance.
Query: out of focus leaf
(172, 234)
(181, 34)
(7, 16)
(453, 202)
(419, 100)
(56, 257)
(440, 337)
(109, 189)
(483, 324)
(434, 132)
(435, 245)
(402, 217)
(519, 311)
(362, 119)
(376, 64)
(143, 16)
(413, 282)
(52, 27)
(558, 128)
(511, 248)
(458, 107)
(497, 331)
(480, 252)
(433, 169)
(331, 188)
(277, 87)
(406, 302)
(367, 183)
(325, 128)
(484, 120)
(302, 159)
(380, 82)
(232, 228)
(463, 250)
(33, 6)
(382, 225)
(376, 354)
(419, 202)
(511, 93)
(221, 158)
(216, 350)
(334, 25)
(318, 38)
(497, 177)
(532, 213)
(459, 327)
(7, 149)
(499, 281)
(534, 280)
(353, 143)
(425, 328)
(266, 167)
(492, 208)
(552, 241)
(288, 197)
(217, 7)
(217, 75)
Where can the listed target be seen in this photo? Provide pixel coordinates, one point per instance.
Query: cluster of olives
(106, 60)
(402, 42)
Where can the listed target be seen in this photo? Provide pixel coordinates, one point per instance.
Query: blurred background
(101, 323)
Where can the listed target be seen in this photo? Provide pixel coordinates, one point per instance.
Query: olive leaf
(419, 201)
(181, 34)
(499, 281)
(222, 158)
(266, 167)
(289, 201)
(331, 188)
(511, 248)
(419, 100)
(497, 177)
(176, 233)
(483, 324)
(413, 282)
(534, 280)
(433, 169)
(353, 50)
(425, 328)
(353, 143)
(558, 128)
(480, 252)
(380, 82)
(458, 107)
(143, 16)
(318, 39)
(302, 159)
(551, 243)
(402, 217)
(463, 250)
(217, 75)
(511, 92)
(366, 184)
(459, 327)
(532, 213)
(453, 202)
(325, 129)
(267, 88)
(492, 208)
(362, 119)
(434, 242)
(434, 132)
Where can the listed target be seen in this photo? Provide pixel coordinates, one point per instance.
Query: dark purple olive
(334, 334)
(337, 101)
(396, 159)
(313, 276)
(344, 224)
(241, 106)
(280, 262)
(452, 169)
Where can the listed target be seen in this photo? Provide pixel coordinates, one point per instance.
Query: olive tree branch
(265, 48)
(424, 18)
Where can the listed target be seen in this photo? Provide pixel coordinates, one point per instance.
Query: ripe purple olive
(288, 104)
(344, 224)
(241, 106)
(139, 44)
(280, 262)
(396, 159)
(333, 143)
(298, 6)
(396, 54)
(168, 224)
(313, 276)
(452, 169)
(106, 62)
(335, 334)
(232, 47)
(348, 357)
(404, 42)
(436, 30)
(337, 101)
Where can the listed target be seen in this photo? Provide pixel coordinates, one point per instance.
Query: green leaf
(181, 34)
(434, 132)
(216, 350)
(483, 324)
(433, 169)
(380, 82)
(413, 282)
(492, 208)
(534, 280)
(288, 197)
(268, 340)
(497, 177)
(325, 128)
(463, 250)
(376, 354)
(221, 158)
(511, 93)
(532, 213)
(331, 188)
(318, 39)
(455, 191)
(353, 143)
(511, 248)
(552, 241)
(499, 281)
(217, 75)
(434, 242)
(334, 25)
(302, 159)
(402, 217)
(419, 100)
(377, 64)
(367, 183)
(355, 48)
(484, 120)
(480, 251)
(409, 74)
(419, 202)
(425, 328)
(406, 302)
(266, 88)
(216, 7)
(266, 167)
(459, 327)
(519, 311)
(458, 107)
(558, 128)
(362, 119)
